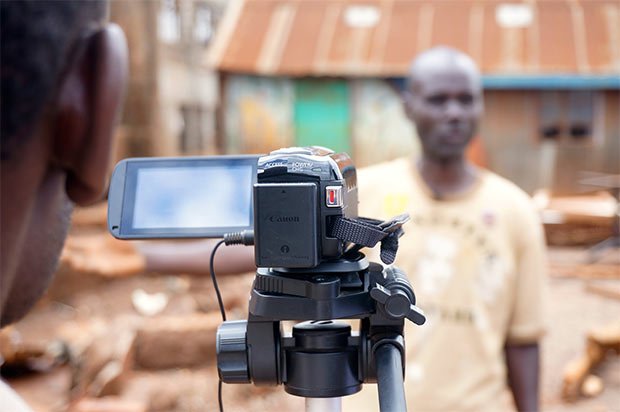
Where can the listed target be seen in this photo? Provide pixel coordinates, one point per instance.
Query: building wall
(259, 117)
(381, 131)
(257, 113)
(187, 107)
(601, 155)
(323, 113)
(171, 97)
(507, 133)
(511, 135)
(189, 91)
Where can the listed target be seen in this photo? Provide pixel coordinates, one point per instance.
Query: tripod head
(257, 351)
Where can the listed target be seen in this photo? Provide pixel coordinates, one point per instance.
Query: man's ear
(88, 106)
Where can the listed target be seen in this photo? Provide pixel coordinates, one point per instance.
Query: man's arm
(529, 316)
(523, 366)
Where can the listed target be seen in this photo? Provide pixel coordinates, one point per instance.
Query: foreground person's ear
(88, 108)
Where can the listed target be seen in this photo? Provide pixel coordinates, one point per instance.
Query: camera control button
(333, 196)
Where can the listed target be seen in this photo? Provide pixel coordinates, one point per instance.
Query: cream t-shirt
(477, 265)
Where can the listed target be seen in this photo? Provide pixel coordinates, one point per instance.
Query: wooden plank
(607, 290)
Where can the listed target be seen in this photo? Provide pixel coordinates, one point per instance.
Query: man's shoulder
(509, 197)
(502, 188)
(389, 170)
(385, 188)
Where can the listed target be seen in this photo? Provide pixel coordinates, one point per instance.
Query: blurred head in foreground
(63, 72)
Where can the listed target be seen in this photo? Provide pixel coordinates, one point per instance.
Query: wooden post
(140, 134)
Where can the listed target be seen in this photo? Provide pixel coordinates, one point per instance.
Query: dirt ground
(97, 313)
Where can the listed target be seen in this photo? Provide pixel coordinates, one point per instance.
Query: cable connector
(245, 237)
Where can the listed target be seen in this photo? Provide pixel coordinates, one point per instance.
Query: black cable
(245, 237)
(222, 310)
(217, 289)
(219, 396)
(238, 238)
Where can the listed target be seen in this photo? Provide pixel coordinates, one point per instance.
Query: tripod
(255, 350)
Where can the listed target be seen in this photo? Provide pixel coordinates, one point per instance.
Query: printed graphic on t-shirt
(457, 252)
(394, 204)
(491, 277)
(435, 267)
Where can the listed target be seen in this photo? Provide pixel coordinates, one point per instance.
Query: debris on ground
(578, 381)
(139, 342)
(577, 220)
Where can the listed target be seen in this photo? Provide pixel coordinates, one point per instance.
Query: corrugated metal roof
(379, 38)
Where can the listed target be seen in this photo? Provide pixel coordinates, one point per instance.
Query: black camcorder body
(298, 195)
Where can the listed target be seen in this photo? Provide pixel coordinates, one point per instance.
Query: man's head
(63, 73)
(444, 100)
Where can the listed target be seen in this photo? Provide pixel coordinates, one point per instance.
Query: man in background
(474, 251)
(63, 72)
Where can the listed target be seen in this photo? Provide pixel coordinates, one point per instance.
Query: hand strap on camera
(366, 232)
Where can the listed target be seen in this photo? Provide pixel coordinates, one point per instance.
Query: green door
(322, 114)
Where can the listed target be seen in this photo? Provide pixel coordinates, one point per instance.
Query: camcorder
(298, 207)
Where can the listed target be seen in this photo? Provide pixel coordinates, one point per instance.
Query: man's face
(445, 104)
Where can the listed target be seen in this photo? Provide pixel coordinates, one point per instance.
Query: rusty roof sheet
(379, 38)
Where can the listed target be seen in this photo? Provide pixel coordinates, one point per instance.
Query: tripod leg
(390, 379)
(323, 404)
